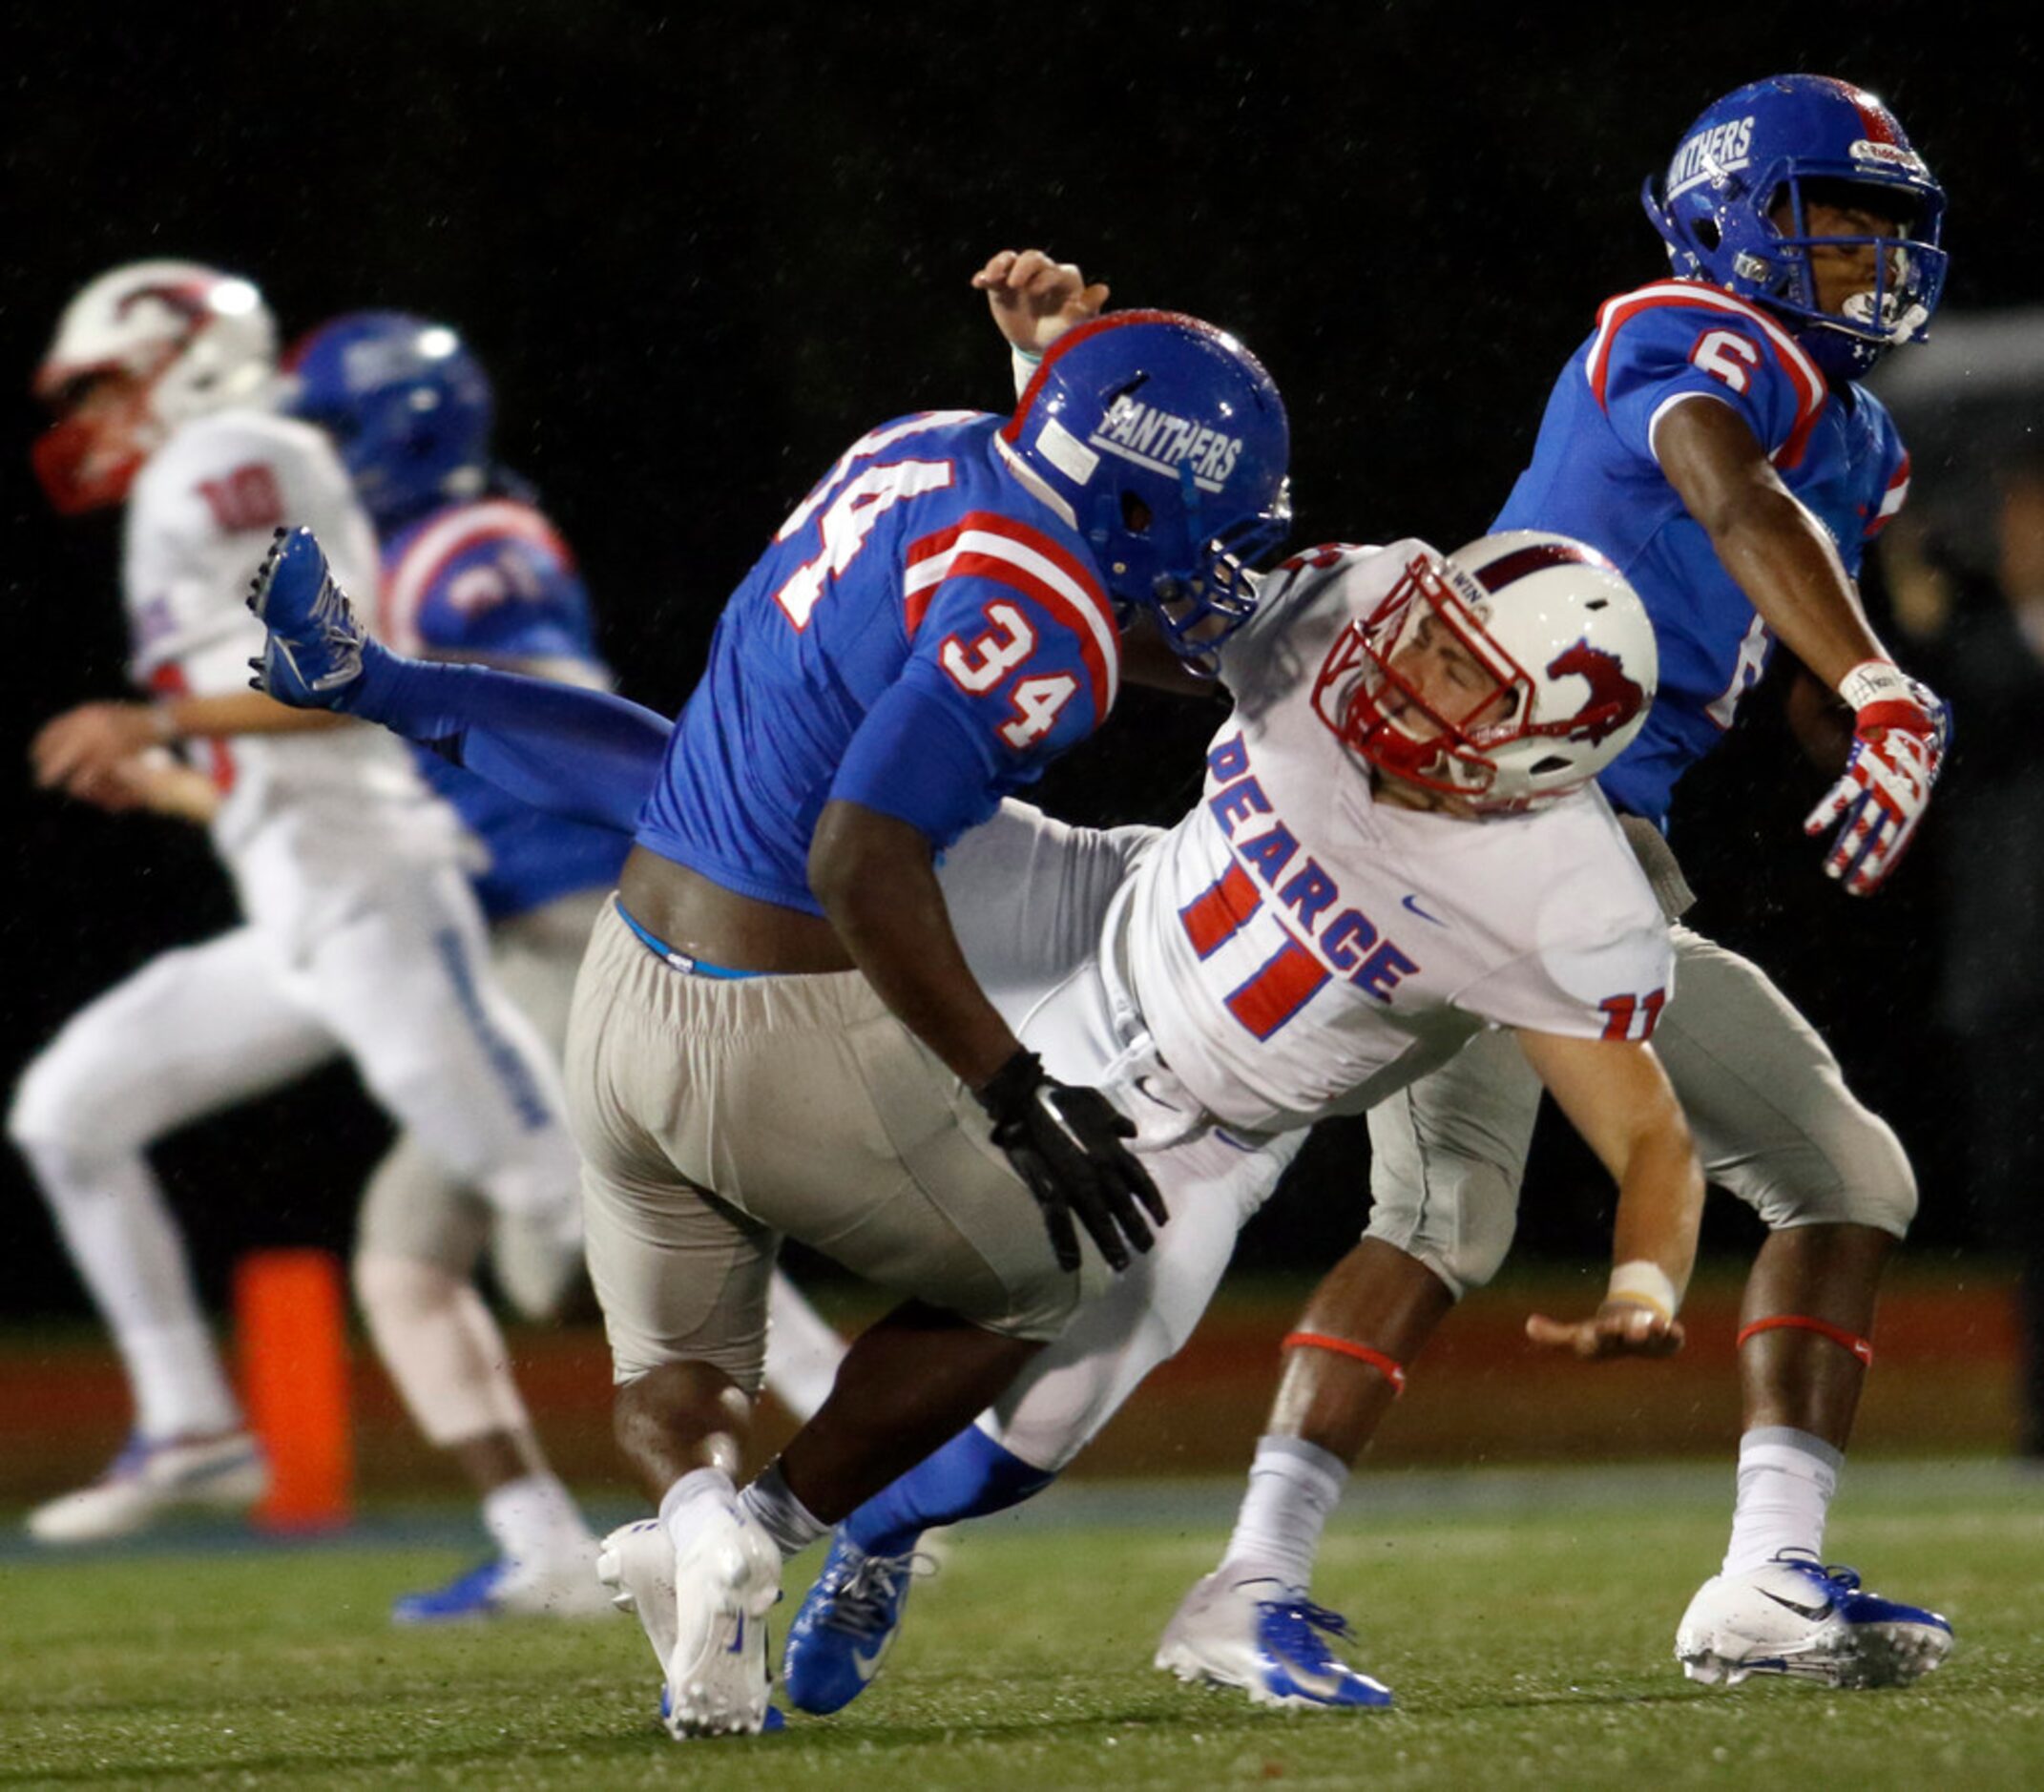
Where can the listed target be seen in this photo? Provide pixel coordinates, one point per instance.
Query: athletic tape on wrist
(1860, 1347)
(1638, 1283)
(1876, 682)
(1391, 1371)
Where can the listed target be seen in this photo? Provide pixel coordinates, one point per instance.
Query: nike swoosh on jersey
(1811, 1612)
(737, 1636)
(1411, 901)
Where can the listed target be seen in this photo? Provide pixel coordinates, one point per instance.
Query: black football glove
(1066, 1144)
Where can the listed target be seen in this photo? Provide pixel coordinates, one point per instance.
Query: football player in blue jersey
(472, 569)
(1711, 437)
(469, 571)
(775, 1030)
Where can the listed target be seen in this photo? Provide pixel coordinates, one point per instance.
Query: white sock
(180, 1388)
(1786, 1479)
(803, 1352)
(783, 1517)
(678, 1504)
(1293, 1486)
(535, 1519)
(128, 1250)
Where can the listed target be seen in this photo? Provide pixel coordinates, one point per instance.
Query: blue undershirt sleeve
(586, 756)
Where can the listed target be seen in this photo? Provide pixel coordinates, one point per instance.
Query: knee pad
(1858, 1176)
(53, 1116)
(1461, 1227)
(402, 1288)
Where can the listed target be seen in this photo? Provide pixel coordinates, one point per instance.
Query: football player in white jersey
(1397, 848)
(362, 936)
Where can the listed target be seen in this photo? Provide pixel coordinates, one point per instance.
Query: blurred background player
(472, 569)
(362, 933)
(1711, 439)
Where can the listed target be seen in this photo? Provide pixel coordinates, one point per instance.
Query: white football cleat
(149, 1481)
(1795, 1617)
(1243, 1627)
(726, 1579)
(637, 1565)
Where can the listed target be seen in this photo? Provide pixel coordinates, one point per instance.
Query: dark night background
(700, 252)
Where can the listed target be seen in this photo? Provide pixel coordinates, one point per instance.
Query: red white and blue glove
(1900, 731)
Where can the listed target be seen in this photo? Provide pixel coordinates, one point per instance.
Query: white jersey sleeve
(1298, 948)
(1598, 966)
(307, 819)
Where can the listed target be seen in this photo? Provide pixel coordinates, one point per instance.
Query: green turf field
(1524, 1619)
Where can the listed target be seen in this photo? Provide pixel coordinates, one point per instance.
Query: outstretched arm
(1617, 1095)
(1788, 568)
(84, 752)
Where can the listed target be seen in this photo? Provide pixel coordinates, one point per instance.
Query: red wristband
(1860, 1347)
(1342, 1348)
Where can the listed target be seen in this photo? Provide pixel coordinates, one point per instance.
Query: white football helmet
(139, 352)
(1553, 623)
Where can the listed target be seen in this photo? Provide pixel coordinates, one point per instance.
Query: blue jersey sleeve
(1668, 342)
(1890, 484)
(1014, 660)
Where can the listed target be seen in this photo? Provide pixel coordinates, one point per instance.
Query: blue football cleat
(464, 1599)
(1795, 1618)
(314, 654)
(846, 1625)
(502, 1588)
(1243, 1627)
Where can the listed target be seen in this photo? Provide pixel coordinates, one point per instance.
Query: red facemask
(87, 459)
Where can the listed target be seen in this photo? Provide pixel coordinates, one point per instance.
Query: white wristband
(1875, 681)
(1025, 365)
(1641, 1283)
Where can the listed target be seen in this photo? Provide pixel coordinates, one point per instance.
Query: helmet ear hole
(1135, 516)
(1707, 233)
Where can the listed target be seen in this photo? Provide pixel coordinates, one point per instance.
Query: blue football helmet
(1786, 142)
(1168, 443)
(408, 405)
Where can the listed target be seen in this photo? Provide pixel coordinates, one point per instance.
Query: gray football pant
(1773, 1119)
